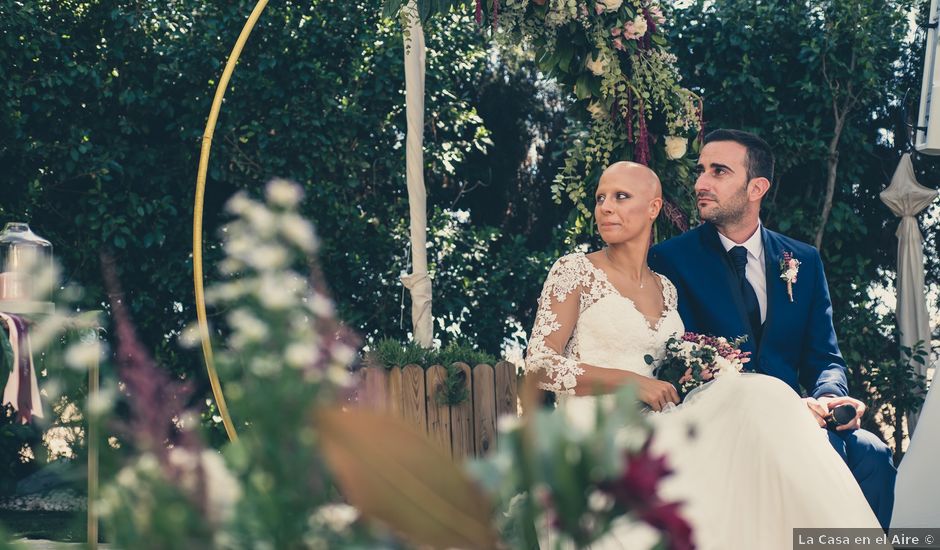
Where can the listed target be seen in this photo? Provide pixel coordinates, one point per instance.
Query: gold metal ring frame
(197, 217)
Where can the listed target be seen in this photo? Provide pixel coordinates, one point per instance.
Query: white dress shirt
(754, 271)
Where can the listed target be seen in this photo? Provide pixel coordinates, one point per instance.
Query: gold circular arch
(198, 278)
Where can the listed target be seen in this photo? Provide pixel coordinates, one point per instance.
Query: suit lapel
(776, 289)
(711, 242)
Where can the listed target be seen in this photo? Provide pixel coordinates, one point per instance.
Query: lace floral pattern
(573, 277)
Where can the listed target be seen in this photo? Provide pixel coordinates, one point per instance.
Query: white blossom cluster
(271, 308)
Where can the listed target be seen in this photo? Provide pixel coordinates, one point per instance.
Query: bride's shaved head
(643, 179)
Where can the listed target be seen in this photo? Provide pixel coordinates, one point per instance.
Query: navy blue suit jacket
(798, 344)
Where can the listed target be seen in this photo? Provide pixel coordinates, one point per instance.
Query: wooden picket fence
(464, 430)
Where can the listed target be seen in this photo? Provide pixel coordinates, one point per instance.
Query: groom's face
(721, 188)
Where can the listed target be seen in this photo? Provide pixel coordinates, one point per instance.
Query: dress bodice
(606, 329)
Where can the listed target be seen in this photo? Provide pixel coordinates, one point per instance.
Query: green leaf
(582, 89)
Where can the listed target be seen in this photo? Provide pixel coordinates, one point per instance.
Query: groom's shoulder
(680, 244)
(789, 244)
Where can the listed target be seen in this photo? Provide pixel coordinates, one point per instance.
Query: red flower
(669, 521)
(637, 486)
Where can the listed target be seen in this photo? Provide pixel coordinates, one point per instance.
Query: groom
(732, 281)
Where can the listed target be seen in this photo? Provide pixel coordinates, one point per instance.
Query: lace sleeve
(670, 294)
(554, 324)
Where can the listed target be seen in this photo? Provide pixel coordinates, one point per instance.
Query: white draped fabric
(417, 282)
(917, 491)
(918, 483)
(907, 198)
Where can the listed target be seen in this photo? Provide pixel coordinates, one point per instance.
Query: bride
(759, 465)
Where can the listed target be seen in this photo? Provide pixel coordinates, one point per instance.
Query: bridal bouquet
(693, 359)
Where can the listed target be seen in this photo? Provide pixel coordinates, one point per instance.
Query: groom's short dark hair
(760, 159)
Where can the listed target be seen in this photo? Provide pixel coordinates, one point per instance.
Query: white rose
(724, 366)
(675, 147)
(639, 25)
(611, 5)
(597, 66)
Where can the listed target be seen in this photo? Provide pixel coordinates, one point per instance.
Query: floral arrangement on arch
(612, 55)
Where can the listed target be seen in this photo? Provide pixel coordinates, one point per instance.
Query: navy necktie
(751, 305)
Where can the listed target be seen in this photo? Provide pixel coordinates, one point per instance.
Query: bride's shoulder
(670, 294)
(569, 272)
(576, 261)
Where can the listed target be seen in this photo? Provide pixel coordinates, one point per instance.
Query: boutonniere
(789, 268)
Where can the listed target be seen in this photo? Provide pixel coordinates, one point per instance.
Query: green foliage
(900, 389)
(103, 107)
(454, 390)
(390, 353)
(14, 437)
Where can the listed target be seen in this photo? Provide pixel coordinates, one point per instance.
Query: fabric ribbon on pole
(417, 282)
(22, 387)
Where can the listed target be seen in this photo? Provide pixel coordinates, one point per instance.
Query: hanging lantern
(23, 255)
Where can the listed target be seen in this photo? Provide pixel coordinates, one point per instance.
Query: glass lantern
(23, 254)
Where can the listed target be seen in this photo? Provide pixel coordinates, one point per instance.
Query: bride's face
(626, 206)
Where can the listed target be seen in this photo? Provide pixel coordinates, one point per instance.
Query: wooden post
(438, 415)
(484, 409)
(395, 393)
(461, 420)
(92, 504)
(413, 397)
(506, 390)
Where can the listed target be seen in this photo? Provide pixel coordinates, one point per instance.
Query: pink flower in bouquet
(657, 14)
(616, 31)
(618, 44)
(635, 29)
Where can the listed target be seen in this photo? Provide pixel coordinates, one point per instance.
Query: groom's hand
(818, 410)
(833, 402)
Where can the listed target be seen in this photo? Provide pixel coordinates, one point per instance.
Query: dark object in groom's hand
(839, 416)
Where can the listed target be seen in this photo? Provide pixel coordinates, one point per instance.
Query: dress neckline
(654, 328)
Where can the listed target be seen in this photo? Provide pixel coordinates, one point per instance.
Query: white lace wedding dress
(758, 466)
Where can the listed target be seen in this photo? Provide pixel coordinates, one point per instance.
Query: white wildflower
(280, 291)
(299, 231)
(190, 336)
(265, 366)
(262, 220)
(283, 193)
(239, 203)
(224, 492)
(300, 355)
(83, 355)
(337, 517)
(101, 402)
(508, 423)
(320, 305)
(599, 501)
(268, 256)
(247, 327)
